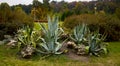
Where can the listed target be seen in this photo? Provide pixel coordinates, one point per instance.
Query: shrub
(74, 20)
(27, 41)
(96, 44)
(105, 23)
(117, 12)
(110, 25)
(13, 20)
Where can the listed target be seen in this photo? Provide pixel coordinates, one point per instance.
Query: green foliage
(10, 20)
(40, 10)
(66, 14)
(50, 44)
(21, 17)
(27, 36)
(108, 7)
(79, 33)
(44, 42)
(74, 20)
(87, 42)
(46, 4)
(5, 12)
(117, 12)
(96, 44)
(36, 3)
(111, 25)
(27, 40)
(105, 23)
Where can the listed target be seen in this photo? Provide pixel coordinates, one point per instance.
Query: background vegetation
(11, 20)
(102, 14)
(108, 24)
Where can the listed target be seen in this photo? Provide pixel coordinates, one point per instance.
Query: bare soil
(72, 55)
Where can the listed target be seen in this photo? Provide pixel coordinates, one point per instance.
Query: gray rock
(5, 41)
(2, 42)
(12, 43)
(7, 36)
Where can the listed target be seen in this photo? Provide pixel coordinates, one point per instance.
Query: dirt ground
(72, 55)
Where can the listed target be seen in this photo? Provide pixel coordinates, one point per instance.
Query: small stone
(71, 44)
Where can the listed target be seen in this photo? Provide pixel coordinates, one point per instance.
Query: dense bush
(110, 25)
(10, 20)
(65, 15)
(105, 23)
(74, 20)
(27, 41)
(117, 12)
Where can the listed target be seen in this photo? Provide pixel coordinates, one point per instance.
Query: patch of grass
(112, 59)
(37, 27)
(8, 57)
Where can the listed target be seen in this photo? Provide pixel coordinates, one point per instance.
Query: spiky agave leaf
(79, 33)
(58, 46)
(96, 44)
(49, 41)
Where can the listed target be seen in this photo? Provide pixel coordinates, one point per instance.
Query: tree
(26, 8)
(117, 12)
(108, 7)
(36, 3)
(46, 4)
(10, 20)
(21, 17)
(78, 7)
(53, 6)
(5, 12)
(39, 12)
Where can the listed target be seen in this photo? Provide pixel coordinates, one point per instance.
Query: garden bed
(8, 57)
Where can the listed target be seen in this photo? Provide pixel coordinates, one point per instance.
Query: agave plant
(96, 44)
(27, 38)
(79, 37)
(79, 33)
(50, 44)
